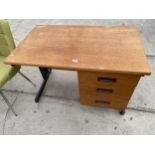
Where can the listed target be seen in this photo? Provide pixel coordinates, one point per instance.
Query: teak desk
(109, 60)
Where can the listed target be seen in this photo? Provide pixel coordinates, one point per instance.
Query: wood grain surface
(91, 48)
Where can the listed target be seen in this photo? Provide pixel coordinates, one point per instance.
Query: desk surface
(91, 48)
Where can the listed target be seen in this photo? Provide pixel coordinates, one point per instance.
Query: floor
(59, 111)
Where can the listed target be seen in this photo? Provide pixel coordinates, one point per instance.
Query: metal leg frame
(45, 72)
(8, 103)
(24, 76)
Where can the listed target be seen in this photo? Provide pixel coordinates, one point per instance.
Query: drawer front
(106, 93)
(106, 89)
(103, 102)
(107, 80)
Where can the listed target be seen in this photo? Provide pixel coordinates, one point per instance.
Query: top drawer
(107, 80)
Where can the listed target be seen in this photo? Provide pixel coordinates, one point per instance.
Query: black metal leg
(122, 112)
(45, 72)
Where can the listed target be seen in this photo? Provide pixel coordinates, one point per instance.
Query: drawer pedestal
(109, 90)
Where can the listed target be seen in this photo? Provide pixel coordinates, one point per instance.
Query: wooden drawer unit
(106, 89)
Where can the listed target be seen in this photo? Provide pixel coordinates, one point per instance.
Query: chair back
(7, 43)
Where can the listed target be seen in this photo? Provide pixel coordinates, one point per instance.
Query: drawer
(106, 89)
(104, 102)
(107, 93)
(107, 80)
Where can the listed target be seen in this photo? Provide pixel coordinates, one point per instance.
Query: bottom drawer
(106, 103)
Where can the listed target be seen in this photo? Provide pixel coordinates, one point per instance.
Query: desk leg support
(45, 72)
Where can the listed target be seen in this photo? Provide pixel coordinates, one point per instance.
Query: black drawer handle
(102, 90)
(105, 79)
(102, 102)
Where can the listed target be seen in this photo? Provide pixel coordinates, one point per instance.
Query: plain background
(79, 9)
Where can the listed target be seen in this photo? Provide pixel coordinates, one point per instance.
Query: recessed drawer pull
(105, 79)
(102, 102)
(102, 90)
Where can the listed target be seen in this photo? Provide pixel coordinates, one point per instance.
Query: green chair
(7, 72)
